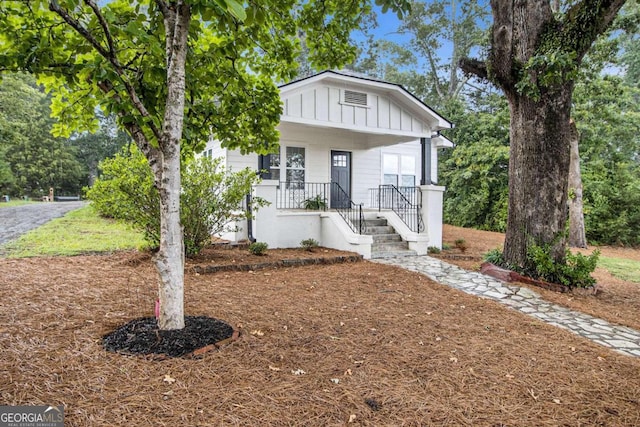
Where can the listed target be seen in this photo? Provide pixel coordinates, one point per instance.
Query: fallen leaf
(168, 379)
(420, 342)
(453, 359)
(358, 362)
(438, 339)
(509, 376)
(429, 313)
(348, 372)
(352, 418)
(335, 380)
(257, 332)
(556, 401)
(341, 323)
(169, 393)
(274, 368)
(298, 372)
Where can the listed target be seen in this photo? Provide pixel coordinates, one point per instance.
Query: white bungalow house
(357, 169)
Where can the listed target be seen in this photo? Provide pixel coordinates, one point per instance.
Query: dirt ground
(344, 344)
(617, 301)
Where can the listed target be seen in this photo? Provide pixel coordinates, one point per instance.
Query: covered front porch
(412, 216)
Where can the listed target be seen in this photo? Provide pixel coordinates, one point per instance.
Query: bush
(461, 244)
(309, 244)
(211, 200)
(258, 248)
(211, 197)
(433, 250)
(574, 272)
(494, 256)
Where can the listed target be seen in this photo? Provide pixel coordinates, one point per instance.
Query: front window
(408, 171)
(295, 164)
(274, 166)
(398, 170)
(390, 169)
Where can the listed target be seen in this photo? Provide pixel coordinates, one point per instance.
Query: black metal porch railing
(320, 196)
(406, 202)
(349, 211)
(303, 195)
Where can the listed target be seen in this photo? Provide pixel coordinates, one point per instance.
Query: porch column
(425, 177)
(432, 196)
(264, 229)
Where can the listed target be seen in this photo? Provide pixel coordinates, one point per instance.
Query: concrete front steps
(386, 242)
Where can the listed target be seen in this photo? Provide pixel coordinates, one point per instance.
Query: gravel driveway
(17, 220)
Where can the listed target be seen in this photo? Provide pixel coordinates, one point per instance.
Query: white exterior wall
(324, 103)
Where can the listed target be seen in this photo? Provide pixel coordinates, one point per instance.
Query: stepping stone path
(619, 338)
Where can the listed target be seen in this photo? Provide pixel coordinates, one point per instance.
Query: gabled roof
(393, 89)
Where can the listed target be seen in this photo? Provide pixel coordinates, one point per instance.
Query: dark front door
(340, 179)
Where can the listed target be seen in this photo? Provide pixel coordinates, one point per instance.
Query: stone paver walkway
(620, 338)
(17, 220)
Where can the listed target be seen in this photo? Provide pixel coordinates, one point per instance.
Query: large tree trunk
(539, 94)
(577, 236)
(538, 170)
(170, 257)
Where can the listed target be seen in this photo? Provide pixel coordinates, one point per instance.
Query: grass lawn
(625, 269)
(78, 232)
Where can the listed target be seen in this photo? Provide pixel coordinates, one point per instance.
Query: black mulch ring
(142, 336)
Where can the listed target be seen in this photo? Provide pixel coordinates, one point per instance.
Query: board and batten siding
(324, 103)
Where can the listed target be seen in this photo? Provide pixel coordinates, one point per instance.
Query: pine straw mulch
(320, 345)
(617, 301)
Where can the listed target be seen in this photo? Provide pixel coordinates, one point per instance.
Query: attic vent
(357, 98)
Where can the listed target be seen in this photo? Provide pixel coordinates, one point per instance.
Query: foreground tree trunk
(538, 170)
(533, 57)
(577, 236)
(170, 257)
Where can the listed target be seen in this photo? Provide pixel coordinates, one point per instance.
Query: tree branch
(104, 25)
(55, 7)
(109, 56)
(595, 15)
(475, 67)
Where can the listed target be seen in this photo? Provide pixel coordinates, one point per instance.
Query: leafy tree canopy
(236, 53)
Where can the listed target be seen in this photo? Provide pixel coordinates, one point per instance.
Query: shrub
(575, 271)
(258, 248)
(494, 256)
(446, 247)
(211, 197)
(309, 244)
(433, 250)
(461, 244)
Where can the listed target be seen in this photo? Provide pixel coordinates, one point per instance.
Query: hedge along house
(356, 170)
